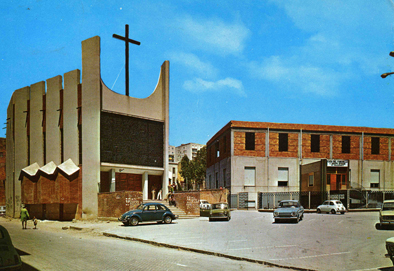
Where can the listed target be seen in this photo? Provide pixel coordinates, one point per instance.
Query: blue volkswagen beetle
(148, 212)
(289, 210)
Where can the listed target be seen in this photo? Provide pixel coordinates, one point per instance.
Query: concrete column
(20, 144)
(53, 143)
(10, 165)
(37, 92)
(91, 106)
(165, 70)
(145, 186)
(112, 180)
(70, 115)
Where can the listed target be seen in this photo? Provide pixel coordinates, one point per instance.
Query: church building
(69, 140)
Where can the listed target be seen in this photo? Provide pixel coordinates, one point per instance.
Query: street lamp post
(384, 75)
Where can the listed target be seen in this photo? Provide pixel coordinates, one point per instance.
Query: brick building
(2, 170)
(253, 157)
(67, 141)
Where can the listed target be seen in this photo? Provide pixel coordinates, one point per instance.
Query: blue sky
(310, 62)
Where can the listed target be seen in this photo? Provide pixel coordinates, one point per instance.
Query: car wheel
(333, 211)
(318, 211)
(133, 221)
(228, 218)
(302, 217)
(342, 213)
(298, 219)
(167, 219)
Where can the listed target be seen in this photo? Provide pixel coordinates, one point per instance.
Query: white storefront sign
(337, 163)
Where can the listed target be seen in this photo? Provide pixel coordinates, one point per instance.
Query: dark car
(9, 257)
(148, 212)
(219, 211)
(289, 210)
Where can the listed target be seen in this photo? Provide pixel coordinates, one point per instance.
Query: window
(249, 141)
(217, 149)
(375, 145)
(210, 181)
(311, 179)
(283, 142)
(224, 177)
(315, 143)
(250, 176)
(173, 170)
(217, 180)
(283, 176)
(375, 178)
(345, 144)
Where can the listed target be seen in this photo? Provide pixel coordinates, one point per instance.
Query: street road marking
(314, 256)
(261, 247)
(181, 265)
(237, 241)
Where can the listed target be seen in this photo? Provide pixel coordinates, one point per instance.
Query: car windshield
(219, 206)
(140, 207)
(388, 206)
(287, 204)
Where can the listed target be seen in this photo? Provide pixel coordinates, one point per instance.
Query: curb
(218, 254)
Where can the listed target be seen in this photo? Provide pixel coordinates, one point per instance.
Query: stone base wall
(189, 201)
(114, 204)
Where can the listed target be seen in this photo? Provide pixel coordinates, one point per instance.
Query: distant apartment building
(253, 157)
(175, 156)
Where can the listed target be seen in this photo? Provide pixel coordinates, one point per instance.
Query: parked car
(148, 212)
(289, 210)
(332, 206)
(219, 211)
(386, 214)
(204, 204)
(9, 257)
(2, 210)
(390, 249)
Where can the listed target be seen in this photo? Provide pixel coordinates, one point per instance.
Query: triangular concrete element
(49, 168)
(68, 167)
(32, 169)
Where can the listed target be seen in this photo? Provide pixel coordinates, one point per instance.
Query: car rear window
(338, 202)
(388, 206)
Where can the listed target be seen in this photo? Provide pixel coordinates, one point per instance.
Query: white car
(204, 204)
(331, 206)
(2, 210)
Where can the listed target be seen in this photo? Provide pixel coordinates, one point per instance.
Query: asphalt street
(318, 242)
(83, 248)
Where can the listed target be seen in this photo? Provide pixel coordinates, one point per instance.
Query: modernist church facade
(68, 140)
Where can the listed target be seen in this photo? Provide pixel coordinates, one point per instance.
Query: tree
(200, 165)
(193, 171)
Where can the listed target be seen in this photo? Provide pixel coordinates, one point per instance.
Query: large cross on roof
(127, 41)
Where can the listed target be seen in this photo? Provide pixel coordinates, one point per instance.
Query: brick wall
(354, 148)
(224, 142)
(324, 147)
(117, 203)
(53, 197)
(2, 170)
(239, 145)
(383, 149)
(292, 145)
(214, 195)
(188, 201)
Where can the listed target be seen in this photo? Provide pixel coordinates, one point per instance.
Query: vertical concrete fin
(91, 106)
(53, 142)
(70, 115)
(37, 90)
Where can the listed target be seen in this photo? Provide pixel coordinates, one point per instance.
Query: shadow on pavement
(26, 267)
(385, 227)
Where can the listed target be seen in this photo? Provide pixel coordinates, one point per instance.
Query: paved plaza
(319, 241)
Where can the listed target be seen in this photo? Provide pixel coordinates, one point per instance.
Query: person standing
(24, 217)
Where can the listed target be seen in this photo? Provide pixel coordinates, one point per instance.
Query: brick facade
(2, 170)
(114, 204)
